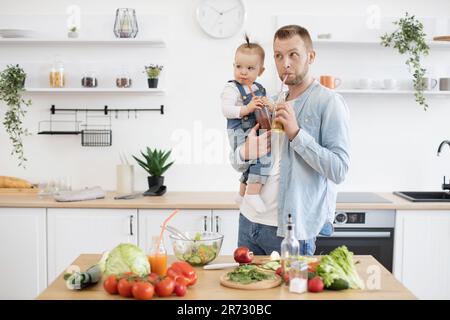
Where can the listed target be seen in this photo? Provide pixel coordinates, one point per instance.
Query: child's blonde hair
(251, 46)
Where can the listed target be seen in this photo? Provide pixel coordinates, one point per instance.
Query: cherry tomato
(142, 290)
(153, 278)
(165, 287)
(110, 284)
(279, 271)
(315, 284)
(124, 287)
(180, 289)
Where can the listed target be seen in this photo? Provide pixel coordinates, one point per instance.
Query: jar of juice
(158, 257)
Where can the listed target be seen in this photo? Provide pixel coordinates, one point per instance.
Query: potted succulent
(73, 32)
(409, 39)
(153, 71)
(154, 162)
(12, 83)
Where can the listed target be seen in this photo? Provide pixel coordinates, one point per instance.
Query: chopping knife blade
(220, 266)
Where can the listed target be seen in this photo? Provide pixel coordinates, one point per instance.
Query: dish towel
(80, 195)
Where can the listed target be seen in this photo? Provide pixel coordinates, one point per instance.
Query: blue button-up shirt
(312, 163)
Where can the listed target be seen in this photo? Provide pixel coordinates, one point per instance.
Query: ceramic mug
(365, 83)
(429, 83)
(330, 82)
(390, 84)
(444, 84)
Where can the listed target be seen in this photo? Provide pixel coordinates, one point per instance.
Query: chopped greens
(248, 274)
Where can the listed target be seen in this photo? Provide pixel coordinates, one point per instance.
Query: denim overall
(238, 130)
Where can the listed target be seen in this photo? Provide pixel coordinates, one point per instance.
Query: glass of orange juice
(158, 257)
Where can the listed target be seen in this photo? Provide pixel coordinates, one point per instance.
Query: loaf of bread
(12, 182)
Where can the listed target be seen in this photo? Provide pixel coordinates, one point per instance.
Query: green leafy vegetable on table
(339, 266)
(248, 274)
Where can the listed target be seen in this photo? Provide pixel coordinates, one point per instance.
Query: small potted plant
(154, 162)
(12, 82)
(153, 71)
(73, 32)
(409, 39)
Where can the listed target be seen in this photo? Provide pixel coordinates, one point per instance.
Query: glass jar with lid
(89, 80)
(57, 76)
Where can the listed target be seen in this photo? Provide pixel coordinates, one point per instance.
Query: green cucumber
(338, 284)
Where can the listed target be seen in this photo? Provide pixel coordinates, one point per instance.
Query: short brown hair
(251, 46)
(289, 31)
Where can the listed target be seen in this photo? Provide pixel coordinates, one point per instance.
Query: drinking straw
(279, 96)
(164, 226)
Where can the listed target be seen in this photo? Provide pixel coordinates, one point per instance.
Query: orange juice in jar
(158, 257)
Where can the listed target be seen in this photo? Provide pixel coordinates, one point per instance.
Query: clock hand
(230, 9)
(220, 13)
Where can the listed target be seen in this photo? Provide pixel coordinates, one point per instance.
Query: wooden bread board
(18, 190)
(263, 284)
(441, 38)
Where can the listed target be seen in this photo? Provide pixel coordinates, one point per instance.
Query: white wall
(394, 140)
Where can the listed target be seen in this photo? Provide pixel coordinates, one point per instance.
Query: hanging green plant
(409, 39)
(12, 81)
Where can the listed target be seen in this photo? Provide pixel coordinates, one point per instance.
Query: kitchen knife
(220, 266)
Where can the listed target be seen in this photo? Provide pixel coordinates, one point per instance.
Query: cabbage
(127, 257)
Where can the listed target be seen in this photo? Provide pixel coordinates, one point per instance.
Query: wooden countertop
(196, 200)
(208, 286)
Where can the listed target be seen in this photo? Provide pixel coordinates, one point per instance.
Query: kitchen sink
(424, 196)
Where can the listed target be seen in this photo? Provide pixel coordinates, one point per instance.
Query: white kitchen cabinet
(22, 252)
(422, 252)
(151, 220)
(227, 223)
(72, 232)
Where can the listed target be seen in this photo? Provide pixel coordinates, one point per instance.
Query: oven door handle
(359, 234)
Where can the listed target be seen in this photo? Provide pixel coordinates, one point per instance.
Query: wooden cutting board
(17, 190)
(263, 284)
(441, 38)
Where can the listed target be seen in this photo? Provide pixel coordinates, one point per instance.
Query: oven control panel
(342, 217)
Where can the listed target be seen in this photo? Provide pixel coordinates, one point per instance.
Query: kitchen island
(380, 284)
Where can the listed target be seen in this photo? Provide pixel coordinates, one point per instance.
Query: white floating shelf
(390, 92)
(95, 90)
(155, 42)
(432, 44)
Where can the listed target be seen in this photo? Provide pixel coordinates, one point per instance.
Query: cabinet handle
(205, 223)
(217, 224)
(131, 226)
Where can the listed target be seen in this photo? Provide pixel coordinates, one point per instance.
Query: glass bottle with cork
(158, 256)
(290, 247)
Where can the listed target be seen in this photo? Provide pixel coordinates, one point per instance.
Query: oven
(364, 232)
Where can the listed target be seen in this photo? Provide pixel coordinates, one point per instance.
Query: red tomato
(286, 277)
(165, 287)
(182, 280)
(279, 271)
(124, 287)
(142, 290)
(153, 278)
(180, 289)
(183, 269)
(110, 284)
(315, 284)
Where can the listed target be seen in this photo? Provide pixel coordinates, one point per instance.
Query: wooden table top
(379, 282)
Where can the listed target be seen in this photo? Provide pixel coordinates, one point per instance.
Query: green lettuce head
(127, 257)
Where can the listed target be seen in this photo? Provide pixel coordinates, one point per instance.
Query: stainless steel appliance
(364, 232)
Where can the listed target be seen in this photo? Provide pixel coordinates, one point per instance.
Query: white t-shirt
(232, 101)
(269, 191)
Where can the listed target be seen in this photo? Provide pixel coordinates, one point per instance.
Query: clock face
(221, 18)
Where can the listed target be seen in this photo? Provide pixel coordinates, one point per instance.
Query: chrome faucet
(441, 145)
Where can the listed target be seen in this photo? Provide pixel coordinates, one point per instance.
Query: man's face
(292, 59)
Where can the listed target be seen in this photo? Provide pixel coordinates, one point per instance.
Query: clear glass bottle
(290, 247)
(158, 256)
(57, 76)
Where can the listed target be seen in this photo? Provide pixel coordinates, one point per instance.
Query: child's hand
(269, 103)
(256, 103)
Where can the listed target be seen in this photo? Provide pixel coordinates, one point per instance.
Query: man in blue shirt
(308, 159)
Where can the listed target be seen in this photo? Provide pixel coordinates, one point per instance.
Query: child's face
(247, 67)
